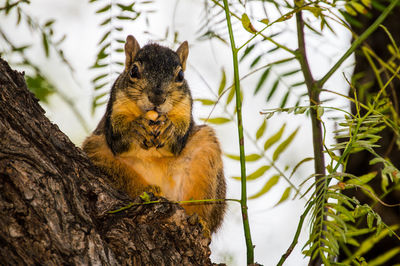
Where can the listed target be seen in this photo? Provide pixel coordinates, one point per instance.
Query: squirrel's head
(154, 76)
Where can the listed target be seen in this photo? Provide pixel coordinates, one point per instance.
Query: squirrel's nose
(157, 97)
(157, 91)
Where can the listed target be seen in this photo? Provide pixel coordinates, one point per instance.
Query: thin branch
(318, 143)
(245, 217)
(132, 204)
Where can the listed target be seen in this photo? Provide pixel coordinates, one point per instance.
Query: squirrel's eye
(135, 72)
(180, 76)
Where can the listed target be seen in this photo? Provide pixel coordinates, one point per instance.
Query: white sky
(272, 227)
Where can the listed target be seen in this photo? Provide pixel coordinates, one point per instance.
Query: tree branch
(54, 203)
(313, 93)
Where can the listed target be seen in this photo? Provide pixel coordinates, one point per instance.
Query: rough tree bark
(54, 203)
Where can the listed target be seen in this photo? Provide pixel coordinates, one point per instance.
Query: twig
(132, 204)
(318, 144)
(245, 217)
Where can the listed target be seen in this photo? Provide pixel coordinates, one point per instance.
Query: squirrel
(147, 140)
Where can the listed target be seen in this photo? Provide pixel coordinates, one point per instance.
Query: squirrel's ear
(183, 51)
(131, 49)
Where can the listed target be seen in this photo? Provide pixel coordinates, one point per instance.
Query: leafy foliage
(334, 216)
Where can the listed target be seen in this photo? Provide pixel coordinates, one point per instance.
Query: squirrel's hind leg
(205, 180)
(123, 177)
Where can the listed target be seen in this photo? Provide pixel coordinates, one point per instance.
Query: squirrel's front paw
(143, 133)
(163, 133)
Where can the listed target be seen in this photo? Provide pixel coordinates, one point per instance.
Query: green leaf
(315, 10)
(49, 23)
(284, 196)
(340, 208)
(291, 72)
(352, 241)
(274, 138)
(284, 100)
(370, 220)
(98, 87)
(265, 21)
(255, 61)
(350, 10)
(300, 110)
(126, 7)
(233, 157)
(358, 232)
(262, 80)
(270, 183)
(104, 37)
(99, 77)
(391, 49)
(384, 182)
(222, 82)
(299, 3)
(362, 179)
(299, 164)
(145, 197)
(359, 7)
(301, 83)
(20, 49)
(123, 18)
(45, 44)
(247, 24)
(366, 3)
(104, 9)
(40, 86)
(253, 157)
(380, 226)
(284, 18)
(273, 89)
(259, 172)
(261, 129)
(205, 101)
(217, 120)
(256, 174)
(376, 160)
(101, 95)
(106, 21)
(320, 111)
(284, 145)
(230, 95)
(249, 158)
(247, 51)
(272, 50)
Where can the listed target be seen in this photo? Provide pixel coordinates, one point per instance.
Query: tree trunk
(54, 203)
